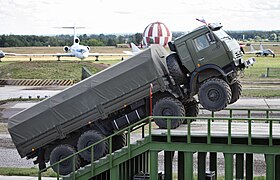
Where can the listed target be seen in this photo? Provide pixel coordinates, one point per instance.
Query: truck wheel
(214, 94)
(192, 109)
(88, 138)
(174, 69)
(168, 106)
(118, 142)
(60, 152)
(236, 89)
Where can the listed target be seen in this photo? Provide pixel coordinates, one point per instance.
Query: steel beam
(277, 167)
(213, 163)
(249, 166)
(201, 165)
(228, 166)
(270, 166)
(239, 166)
(188, 165)
(168, 157)
(181, 165)
(114, 172)
(153, 164)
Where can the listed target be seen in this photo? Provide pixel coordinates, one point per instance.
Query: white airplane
(261, 52)
(76, 50)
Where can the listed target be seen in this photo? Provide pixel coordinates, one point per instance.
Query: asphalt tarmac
(11, 108)
(9, 92)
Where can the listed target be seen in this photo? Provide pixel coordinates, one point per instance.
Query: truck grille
(238, 55)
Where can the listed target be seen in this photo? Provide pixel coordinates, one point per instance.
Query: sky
(40, 17)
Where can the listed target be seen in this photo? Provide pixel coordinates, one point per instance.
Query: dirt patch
(5, 138)
(7, 143)
(4, 128)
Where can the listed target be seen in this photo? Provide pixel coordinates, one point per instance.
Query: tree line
(62, 40)
(113, 40)
(258, 36)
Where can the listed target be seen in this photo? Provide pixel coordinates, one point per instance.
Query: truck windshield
(222, 34)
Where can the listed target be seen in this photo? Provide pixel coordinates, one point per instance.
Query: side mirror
(211, 37)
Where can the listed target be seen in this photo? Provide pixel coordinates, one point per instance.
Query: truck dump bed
(89, 100)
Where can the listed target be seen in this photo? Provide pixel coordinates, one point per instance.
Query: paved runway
(8, 92)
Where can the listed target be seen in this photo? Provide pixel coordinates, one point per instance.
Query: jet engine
(2, 54)
(66, 48)
(76, 40)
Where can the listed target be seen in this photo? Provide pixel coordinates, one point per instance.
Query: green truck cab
(208, 61)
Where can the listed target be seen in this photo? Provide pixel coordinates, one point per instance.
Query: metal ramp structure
(238, 134)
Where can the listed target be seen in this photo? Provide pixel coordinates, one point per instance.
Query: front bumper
(250, 62)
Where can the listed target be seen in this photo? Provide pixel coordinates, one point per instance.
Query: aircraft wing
(267, 44)
(107, 54)
(134, 50)
(253, 52)
(32, 55)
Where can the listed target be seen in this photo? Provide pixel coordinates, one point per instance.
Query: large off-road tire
(214, 94)
(236, 90)
(60, 152)
(191, 109)
(174, 69)
(118, 142)
(168, 106)
(88, 138)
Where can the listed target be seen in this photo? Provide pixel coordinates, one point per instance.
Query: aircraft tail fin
(76, 39)
(134, 48)
(261, 47)
(252, 48)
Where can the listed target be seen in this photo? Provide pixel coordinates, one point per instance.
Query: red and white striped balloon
(156, 33)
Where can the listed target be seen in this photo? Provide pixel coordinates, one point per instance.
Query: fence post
(213, 163)
(114, 172)
(201, 165)
(267, 72)
(188, 165)
(181, 165)
(249, 166)
(277, 167)
(153, 164)
(270, 166)
(239, 166)
(228, 166)
(168, 157)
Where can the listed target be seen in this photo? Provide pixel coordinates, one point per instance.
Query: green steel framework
(142, 155)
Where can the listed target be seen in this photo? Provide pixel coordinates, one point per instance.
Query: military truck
(206, 61)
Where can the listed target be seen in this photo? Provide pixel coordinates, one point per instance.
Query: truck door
(207, 50)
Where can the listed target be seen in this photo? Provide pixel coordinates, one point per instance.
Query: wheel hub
(167, 112)
(213, 95)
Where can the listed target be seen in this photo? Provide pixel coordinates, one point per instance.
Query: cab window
(201, 42)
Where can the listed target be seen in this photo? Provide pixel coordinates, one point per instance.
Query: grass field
(47, 69)
(8, 171)
(70, 68)
(259, 69)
